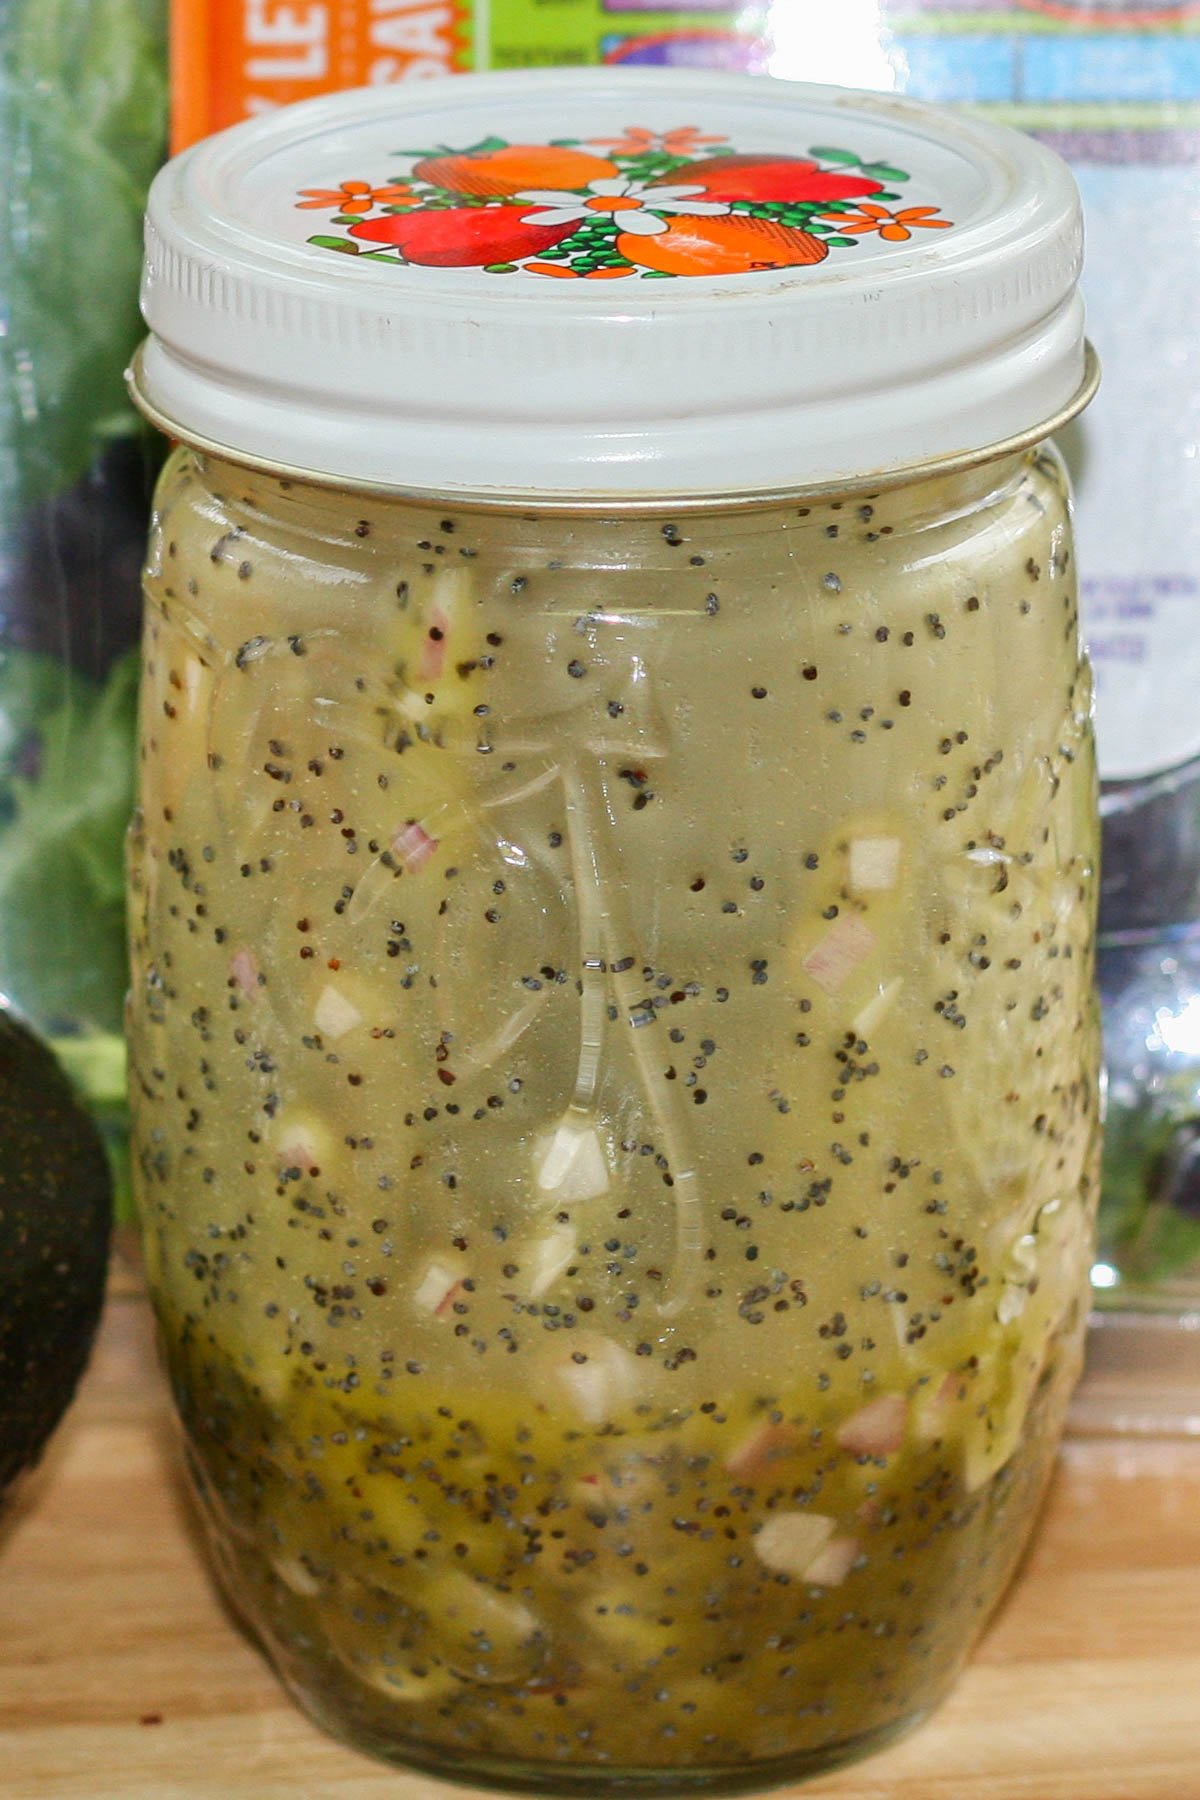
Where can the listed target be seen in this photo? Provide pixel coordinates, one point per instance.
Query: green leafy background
(83, 106)
(82, 113)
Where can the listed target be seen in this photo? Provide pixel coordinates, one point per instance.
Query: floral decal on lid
(647, 203)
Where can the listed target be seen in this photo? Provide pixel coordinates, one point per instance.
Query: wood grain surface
(122, 1678)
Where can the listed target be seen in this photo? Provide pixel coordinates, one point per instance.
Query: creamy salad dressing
(614, 1068)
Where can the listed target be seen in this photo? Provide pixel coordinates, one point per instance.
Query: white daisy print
(633, 206)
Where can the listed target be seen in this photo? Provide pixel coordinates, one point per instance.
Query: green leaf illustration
(834, 156)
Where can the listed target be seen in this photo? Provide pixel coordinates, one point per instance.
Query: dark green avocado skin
(55, 1224)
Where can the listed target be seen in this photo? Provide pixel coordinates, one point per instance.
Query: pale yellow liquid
(612, 1001)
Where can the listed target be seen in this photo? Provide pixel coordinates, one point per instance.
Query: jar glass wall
(615, 1098)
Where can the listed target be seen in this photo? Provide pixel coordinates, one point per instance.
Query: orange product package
(232, 59)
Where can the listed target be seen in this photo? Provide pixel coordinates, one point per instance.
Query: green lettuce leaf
(65, 801)
(82, 126)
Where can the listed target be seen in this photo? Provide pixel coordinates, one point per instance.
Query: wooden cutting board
(122, 1678)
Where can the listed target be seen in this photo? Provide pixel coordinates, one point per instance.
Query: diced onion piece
(193, 683)
(437, 1290)
(292, 1572)
(846, 944)
(413, 704)
(935, 1408)
(1019, 1283)
(789, 1542)
(546, 1259)
(243, 972)
(877, 1428)
(414, 846)
(571, 1164)
(599, 1385)
(877, 1009)
(986, 856)
(456, 1595)
(1012, 1303)
(874, 864)
(334, 1015)
(432, 660)
(297, 1154)
(761, 1451)
(303, 1144)
(831, 1567)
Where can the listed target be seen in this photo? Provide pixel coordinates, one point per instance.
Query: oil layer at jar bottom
(510, 1776)
(666, 1603)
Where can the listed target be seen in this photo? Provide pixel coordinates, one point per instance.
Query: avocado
(55, 1222)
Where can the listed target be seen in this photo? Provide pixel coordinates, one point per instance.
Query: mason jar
(613, 1032)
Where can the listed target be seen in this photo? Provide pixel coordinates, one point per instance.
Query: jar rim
(617, 505)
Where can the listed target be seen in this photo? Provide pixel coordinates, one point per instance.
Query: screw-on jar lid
(602, 282)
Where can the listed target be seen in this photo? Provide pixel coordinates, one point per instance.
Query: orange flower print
(356, 196)
(685, 140)
(896, 227)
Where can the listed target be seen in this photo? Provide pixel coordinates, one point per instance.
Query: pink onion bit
(414, 846)
(432, 660)
(244, 973)
(877, 1428)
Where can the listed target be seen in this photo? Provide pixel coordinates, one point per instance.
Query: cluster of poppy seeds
(614, 1062)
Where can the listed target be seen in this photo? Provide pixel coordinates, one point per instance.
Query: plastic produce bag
(82, 129)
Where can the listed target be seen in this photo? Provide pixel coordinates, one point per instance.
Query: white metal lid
(613, 282)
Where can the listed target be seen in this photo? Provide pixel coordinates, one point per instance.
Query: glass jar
(614, 1062)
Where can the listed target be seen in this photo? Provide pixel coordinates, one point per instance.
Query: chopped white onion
(571, 1164)
(606, 1378)
(292, 1572)
(874, 864)
(193, 683)
(302, 1144)
(546, 1259)
(789, 1542)
(436, 1290)
(831, 1567)
(334, 1015)
(877, 1009)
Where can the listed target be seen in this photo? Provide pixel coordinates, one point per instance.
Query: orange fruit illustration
(735, 245)
(513, 169)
